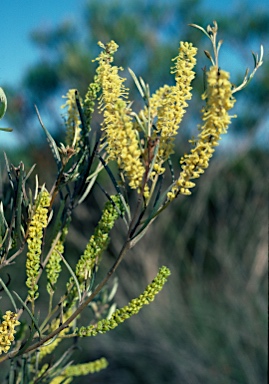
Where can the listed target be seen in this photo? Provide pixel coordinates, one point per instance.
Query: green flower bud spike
(3, 103)
(135, 305)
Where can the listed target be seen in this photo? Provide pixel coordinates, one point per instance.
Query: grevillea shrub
(134, 153)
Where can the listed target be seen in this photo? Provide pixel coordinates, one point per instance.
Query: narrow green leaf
(110, 174)
(11, 376)
(137, 83)
(84, 129)
(51, 142)
(8, 171)
(19, 204)
(3, 226)
(9, 295)
(201, 29)
(6, 129)
(60, 364)
(91, 181)
(155, 153)
(153, 214)
(58, 220)
(171, 168)
(34, 320)
(255, 58)
(30, 172)
(28, 341)
(72, 273)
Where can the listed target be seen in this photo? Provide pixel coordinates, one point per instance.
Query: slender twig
(80, 308)
(11, 258)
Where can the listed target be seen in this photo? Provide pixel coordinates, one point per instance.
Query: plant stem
(123, 251)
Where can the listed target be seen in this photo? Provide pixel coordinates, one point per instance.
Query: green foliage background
(209, 325)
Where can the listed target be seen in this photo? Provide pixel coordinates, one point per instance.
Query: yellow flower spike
(80, 370)
(38, 223)
(72, 119)
(89, 101)
(7, 331)
(119, 132)
(97, 243)
(135, 305)
(168, 105)
(61, 380)
(53, 266)
(173, 105)
(85, 369)
(219, 101)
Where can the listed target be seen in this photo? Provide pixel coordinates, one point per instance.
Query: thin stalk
(123, 251)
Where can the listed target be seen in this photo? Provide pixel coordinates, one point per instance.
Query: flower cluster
(219, 101)
(81, 370)
(98, 242)
(53, 267)
(168, 104)
(135, 305)
(119, 132)
(7, 331)
(89, 101)
(73, 119)
(37, 224)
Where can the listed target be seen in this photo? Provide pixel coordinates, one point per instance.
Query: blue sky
(20, 17)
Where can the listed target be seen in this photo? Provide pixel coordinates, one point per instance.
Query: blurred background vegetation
(209, 325)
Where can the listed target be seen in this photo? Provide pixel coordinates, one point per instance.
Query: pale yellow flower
(219, 101)
(119, 132)
(168, 105)
(7, 331)
(38, 223)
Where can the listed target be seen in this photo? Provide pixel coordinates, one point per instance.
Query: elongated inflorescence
(97, 244)
(7, 331)
(53, 266)
(80, 370)
(34, 240)
(135, 305)
(219, 101)
(119, 133)
(168, 105)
